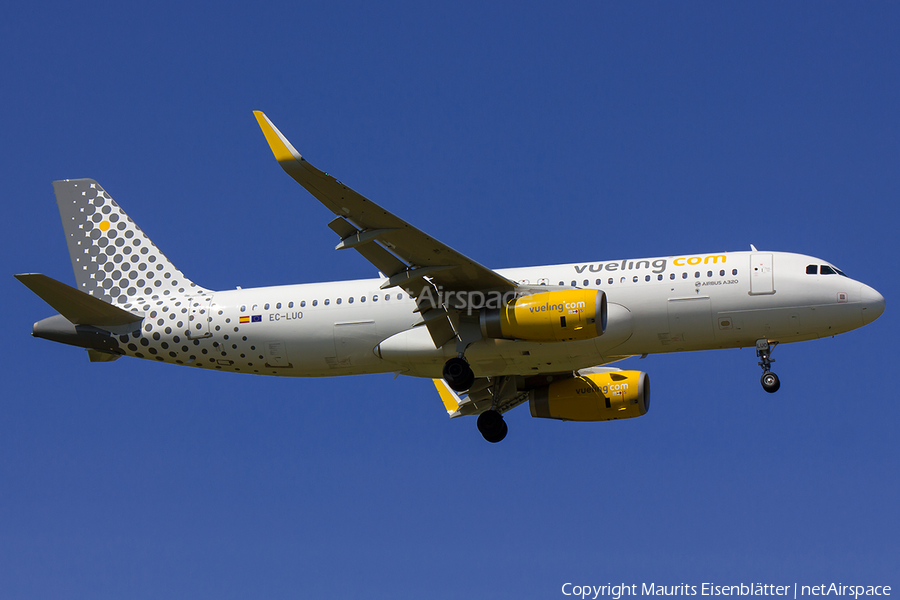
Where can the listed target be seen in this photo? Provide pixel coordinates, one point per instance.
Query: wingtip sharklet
(280, 146)
(448, 396)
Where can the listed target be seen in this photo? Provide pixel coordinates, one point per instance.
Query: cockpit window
(823, 270)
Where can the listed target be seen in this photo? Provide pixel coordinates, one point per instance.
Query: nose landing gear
(769, 380)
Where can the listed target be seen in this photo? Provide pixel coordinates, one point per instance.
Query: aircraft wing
(402, 252)
(497, 393)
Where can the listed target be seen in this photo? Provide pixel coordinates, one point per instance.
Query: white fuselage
(670, 304)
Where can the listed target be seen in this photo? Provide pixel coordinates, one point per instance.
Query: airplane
(489, 339)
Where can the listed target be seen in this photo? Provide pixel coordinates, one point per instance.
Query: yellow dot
(104, 225)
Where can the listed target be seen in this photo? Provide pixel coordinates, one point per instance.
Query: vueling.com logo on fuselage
(558, 307)
(656, 266)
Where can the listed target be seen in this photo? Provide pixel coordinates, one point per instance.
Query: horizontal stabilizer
(76, 306)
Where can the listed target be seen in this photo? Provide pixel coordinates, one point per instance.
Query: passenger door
(762, 280)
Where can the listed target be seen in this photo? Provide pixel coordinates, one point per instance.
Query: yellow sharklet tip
(447, 398)
(281, 148)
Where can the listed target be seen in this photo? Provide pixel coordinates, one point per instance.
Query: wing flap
(351, 237)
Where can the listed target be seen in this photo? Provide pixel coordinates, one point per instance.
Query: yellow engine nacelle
(548, 317)
(596, 397)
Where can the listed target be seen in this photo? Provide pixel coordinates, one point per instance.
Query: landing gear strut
(492, 426)
(769, 380)
(458, 374)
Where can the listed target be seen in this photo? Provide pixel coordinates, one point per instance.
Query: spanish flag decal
(245, 319)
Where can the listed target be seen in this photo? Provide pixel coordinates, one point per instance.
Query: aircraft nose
(872, 304)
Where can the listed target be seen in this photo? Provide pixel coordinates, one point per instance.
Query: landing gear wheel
(770, 382)
(458, 374)
(492, 426)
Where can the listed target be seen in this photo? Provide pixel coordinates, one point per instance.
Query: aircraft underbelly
(414, 351)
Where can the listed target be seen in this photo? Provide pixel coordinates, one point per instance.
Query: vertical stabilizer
(112, 258)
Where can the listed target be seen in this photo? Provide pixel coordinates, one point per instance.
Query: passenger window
(586, 283)
(399, 296)
(811, 269)
(278, 305)
(598, 282)
(243, 309)
(734, 271)
(338, 300)
(659, 277)
(290, 305)
(387, 296)
(646, 278)
(696, 274)
(671, 275)
(375, 298)
(684, 275)
(622, 280)
(350, 300)
(573, 283)
(611, 281)
(315, 302)
(709, 273)
(635, 279)
(266, 307)
(362, 299)
(327, 301)
(562, 283)
(302, 303)
(722, 273)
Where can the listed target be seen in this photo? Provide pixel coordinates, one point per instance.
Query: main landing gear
(769, 380)
(492, 426)
(458, 374)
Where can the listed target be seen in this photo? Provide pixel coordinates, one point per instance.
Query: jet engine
(594, 397)
(560, 316)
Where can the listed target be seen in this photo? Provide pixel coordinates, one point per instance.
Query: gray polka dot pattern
(182, 323)
(112, 258)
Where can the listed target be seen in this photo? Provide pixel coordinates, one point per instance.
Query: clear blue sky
(520, 134)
